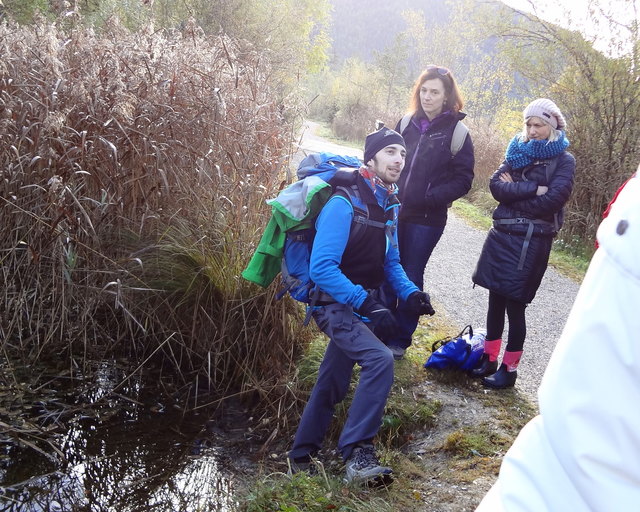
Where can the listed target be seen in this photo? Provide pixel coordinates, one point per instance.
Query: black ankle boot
(501, 379)
(485, 367)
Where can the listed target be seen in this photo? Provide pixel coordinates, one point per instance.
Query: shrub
(489, 154)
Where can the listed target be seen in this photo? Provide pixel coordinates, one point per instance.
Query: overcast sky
(574, 14)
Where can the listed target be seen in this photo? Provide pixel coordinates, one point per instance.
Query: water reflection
(120, 455)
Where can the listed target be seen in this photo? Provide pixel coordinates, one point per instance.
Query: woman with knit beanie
(531, 186)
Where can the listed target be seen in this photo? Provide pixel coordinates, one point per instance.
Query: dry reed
(134, 173)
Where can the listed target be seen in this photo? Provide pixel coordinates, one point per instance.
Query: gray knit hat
(381, 139)
(546, 110)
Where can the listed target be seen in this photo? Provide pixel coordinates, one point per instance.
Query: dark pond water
(121, 451)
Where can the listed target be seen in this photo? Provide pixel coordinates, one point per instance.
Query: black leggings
(498, 305)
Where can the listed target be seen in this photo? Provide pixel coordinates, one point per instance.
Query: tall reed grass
(134, 172)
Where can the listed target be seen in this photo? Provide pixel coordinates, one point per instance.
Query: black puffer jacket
(519, 199)
(514, 260)
(432, 179)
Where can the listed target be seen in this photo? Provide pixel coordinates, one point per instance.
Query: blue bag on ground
(461, 352)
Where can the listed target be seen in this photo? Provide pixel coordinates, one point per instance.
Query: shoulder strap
(457, 139)
(361, 216)
(550, 168)
(404, 122)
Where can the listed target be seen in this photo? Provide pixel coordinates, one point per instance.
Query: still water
(118, 451)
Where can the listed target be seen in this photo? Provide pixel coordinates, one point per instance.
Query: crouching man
(351, 270)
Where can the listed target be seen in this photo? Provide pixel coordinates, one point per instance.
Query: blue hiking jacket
(330, 244)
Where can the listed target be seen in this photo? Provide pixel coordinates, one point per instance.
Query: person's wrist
(367, 304)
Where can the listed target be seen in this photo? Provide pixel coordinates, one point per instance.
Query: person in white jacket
(582, 452)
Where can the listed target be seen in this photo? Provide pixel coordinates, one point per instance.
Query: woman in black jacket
(438, 171)
(532, 186)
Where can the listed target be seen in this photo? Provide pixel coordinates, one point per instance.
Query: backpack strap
(459, 136)
(457, 139)
(404, 122)
(361, 216)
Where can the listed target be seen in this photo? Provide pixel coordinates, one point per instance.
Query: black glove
(383, 323)
(419, 303)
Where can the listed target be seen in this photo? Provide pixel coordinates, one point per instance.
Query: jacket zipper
(426, 214)
(413, 160)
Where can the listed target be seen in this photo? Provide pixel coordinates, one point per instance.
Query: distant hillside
(359, 29)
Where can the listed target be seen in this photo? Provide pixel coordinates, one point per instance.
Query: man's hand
(384, 325)
(420, 303)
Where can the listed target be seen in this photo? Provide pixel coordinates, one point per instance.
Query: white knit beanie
(546, 110)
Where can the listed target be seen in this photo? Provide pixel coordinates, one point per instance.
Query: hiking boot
(398, 352)
(485, 367)
(302, 465)
(363, 466)
(501, 379)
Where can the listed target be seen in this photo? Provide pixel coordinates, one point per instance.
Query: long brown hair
(454, 98)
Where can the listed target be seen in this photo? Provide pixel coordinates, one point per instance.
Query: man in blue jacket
(351, 271)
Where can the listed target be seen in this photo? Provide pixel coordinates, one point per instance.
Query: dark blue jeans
(416, 243)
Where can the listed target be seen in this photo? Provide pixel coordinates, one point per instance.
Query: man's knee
(381, 360)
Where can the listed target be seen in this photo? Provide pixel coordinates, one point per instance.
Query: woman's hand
(541, 190)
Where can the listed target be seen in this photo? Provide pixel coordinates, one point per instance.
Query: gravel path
(448, 281)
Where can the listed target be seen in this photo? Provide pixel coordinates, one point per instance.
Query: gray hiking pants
(350, 342)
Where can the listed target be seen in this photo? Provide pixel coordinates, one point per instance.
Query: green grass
(480, 440)
(512, 410)
(473, 215)
(280, 493)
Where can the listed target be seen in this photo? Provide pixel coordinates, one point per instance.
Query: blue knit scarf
(520, 153)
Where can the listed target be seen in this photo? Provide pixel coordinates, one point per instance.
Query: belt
(317, 298)
(522, 220)
(527, 238)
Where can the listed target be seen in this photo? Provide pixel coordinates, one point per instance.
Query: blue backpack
(339, 172)
(461, 352)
